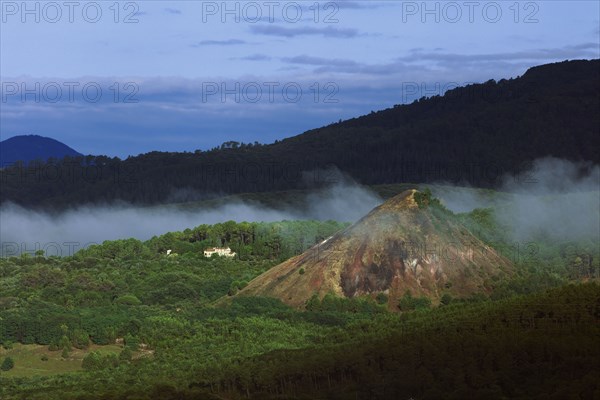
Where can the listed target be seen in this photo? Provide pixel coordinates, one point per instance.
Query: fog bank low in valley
(556, 198)
(23, 230)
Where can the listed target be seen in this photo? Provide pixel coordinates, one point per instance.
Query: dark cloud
(329, 31)
(310, 60)
(582, 50)
(336, 65)
(256, 57)
(228, 42)
(173, 115)
(169, 105)
(421, 60)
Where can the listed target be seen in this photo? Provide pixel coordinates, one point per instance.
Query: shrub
(81, 340)
(96, 361)
(64, 343)
(314, 303)
(408, 302)
(125, 355)
(7, 364)
(446, 299)
(236, 286)
(129, 300)
(92, 361)
(132, 342)
(44, 357)
(425, 199)
(382, 298)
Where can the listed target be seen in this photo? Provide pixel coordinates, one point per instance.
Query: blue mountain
(29, 148)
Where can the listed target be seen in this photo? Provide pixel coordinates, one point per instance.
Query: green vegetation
(7, 364)
(123, 320)
(31, 360)
(542, 261)
(425, 199)
(105, 291)
(96, 360)
(409, 303)
(539, 346)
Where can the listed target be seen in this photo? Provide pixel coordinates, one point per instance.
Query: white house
(221, 251)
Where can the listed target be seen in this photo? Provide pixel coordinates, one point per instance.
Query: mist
(26, 231)
(555, 198)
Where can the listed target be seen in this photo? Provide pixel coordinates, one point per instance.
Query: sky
(124, 78)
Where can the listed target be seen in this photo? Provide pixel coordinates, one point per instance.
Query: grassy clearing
(28, 359)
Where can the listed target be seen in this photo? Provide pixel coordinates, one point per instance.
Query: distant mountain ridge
(29, 148)
(473, 135)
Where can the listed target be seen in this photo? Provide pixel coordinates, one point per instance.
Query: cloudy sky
(179, 76)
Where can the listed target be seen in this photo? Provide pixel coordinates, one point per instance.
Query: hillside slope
(472, 134)
(402, 245)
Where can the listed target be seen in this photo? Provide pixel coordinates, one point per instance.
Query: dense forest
(540, 346)
(473, 134)
(535, 337)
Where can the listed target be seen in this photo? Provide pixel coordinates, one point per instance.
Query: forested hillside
(542, 346)
(126, 320)
(473, 134)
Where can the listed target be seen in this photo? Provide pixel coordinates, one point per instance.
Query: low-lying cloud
(23, 230)
(556, 199)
